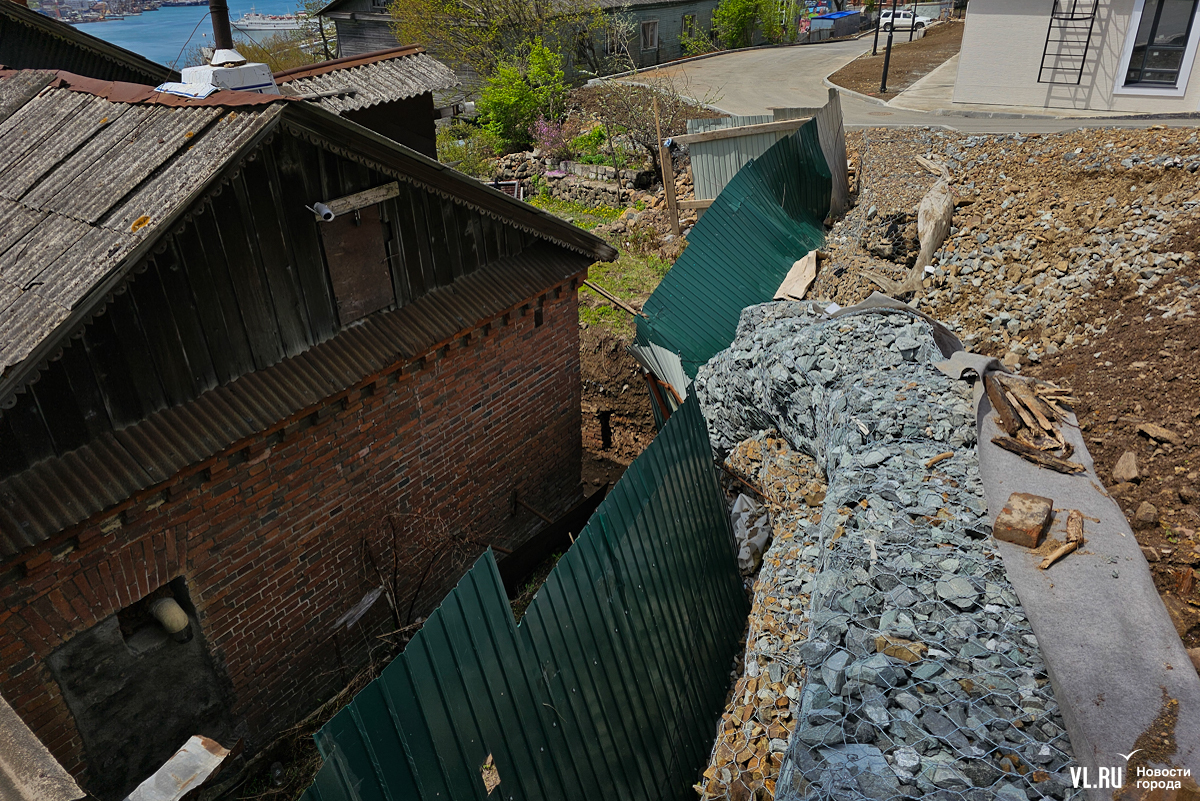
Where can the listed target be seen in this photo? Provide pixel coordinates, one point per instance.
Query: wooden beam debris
(1030, 414)
(1074, 539)
(613, 299)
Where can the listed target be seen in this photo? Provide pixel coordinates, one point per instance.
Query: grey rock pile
(922, 676)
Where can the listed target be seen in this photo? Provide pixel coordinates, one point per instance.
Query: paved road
(755, 81)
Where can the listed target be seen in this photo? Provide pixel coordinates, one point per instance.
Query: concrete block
(1024, 519)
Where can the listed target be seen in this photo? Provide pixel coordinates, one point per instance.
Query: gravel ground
(919, 675)
(1073, 258)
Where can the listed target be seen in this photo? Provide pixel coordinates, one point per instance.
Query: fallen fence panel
(608, 688)
(768, 216)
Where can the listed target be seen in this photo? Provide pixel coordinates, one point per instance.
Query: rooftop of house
(94, 175)
(92, 172)
(358, 82)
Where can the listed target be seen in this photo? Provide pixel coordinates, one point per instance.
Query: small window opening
(538, 317)
(162, 616)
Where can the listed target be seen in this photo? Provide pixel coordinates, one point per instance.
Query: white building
(1108, 55)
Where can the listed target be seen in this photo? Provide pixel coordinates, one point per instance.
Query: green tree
(734, 22)
(524, 86)
(481, 34)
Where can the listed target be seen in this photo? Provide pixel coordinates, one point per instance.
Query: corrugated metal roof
(30, 40)
(768, 216)
(57, 493)
(369, 80)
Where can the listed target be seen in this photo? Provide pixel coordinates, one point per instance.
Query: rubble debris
(1146, 515)
(761, 710)
(1159, 434)
(900, 552)
(1029, 413)
(1074, 540)
(1024, 519)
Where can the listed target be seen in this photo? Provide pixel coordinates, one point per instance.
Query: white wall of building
(1002, 54)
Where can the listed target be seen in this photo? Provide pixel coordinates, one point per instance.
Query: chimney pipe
(222, 36)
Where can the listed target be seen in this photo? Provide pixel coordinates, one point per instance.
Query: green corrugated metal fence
(766, 218)
(610, 686)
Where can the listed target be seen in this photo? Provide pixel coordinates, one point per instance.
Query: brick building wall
(271, 538)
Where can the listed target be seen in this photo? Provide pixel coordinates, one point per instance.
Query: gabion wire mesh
(753, 733)
(921, 676)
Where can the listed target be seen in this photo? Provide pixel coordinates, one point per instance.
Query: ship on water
(254, 22)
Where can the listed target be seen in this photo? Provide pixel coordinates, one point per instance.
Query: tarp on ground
(608, 687)
(769, 215)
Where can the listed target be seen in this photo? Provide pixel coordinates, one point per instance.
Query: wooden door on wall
(358, 264)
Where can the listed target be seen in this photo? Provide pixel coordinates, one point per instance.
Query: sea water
(170, 34)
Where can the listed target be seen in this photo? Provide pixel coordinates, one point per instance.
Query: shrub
(527, 85)
(468, 148)
(696, 43)
(549, 137)
(592, 147)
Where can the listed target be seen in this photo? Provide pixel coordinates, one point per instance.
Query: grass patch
(586, 217)
(632, 277)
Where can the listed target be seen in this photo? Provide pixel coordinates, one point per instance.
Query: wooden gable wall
(243, 284)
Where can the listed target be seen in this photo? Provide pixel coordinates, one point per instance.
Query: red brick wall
(271, 538)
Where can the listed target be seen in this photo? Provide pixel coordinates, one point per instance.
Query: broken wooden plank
(939, 458)
(1036, 456)
(613, 299)
(1029, 399)
(1074, 539)
(1005, 414)
(360, 200)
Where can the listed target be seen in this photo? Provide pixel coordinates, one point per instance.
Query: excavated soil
(1098, 295)
(613, 390)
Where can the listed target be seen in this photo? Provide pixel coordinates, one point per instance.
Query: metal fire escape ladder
(1067, 41)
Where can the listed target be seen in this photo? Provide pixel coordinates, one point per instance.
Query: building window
(1160, 47)
(650, 35)
(612, 43)
(689, 25)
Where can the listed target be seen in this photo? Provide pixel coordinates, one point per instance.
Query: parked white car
(903, 20)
